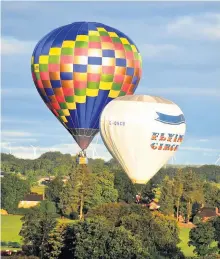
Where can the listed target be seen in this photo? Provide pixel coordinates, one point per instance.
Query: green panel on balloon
(103, 33)
(127, 47)
(67, 51)
(63, 105)
(43, 67)
(122, 93)
(80, 92)
(94, 38)
(93, 85)
(115, 39)
(116, 86)
(69, 99)
(54, 59)
(60, 112)
(136, 55)
(107, 78)
(81, 44)
(37, 74)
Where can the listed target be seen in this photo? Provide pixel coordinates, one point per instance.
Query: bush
(196, 220)
(3, 243)
(74, 215)
(13, 244)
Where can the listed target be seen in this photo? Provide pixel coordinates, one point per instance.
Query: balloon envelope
(79, 68)
(142, 133)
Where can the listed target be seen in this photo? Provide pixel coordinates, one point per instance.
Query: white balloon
(142, 132)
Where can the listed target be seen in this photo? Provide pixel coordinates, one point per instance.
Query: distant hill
(56, 163)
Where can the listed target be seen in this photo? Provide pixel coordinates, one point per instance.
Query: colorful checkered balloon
(79, 68)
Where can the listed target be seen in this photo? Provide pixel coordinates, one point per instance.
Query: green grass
(38, 189)
(183, 245)
(10, 228)
(10, 248)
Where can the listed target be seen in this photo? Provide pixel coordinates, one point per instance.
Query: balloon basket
(82, 161)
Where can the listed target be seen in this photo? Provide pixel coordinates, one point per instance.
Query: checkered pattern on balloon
(79, 68)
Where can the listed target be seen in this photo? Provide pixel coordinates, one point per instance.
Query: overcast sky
(179, 43)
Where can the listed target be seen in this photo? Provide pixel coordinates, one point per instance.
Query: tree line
(107, 224)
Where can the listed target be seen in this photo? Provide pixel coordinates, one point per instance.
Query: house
(206, 213)
(31, 200)
(153, 205)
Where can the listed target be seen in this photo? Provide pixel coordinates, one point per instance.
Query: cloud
(204, 26)
(96, 150)
(182, 91)
(18, 92)
(12, 46)
(158, 50)
(199, 149)
(16, 134)
(203, 140)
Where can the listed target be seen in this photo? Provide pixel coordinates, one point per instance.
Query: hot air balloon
(79, 68)
(142, 132)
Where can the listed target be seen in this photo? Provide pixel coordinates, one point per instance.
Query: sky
(179, 44)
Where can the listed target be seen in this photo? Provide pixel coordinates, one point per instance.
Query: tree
(37, 225)
(166, 197)
(55, 242)
(13, 190)
(177, 190)
(122, 244)
(202, 237)
(85, 190)
(95, 238)
(211, 195)
(216, 225)
(192, 191)
(126, 190)
(54, 190)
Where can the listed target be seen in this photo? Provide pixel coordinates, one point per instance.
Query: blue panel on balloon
(81, 112)
(99, 105)
(90, 102)
(74, 118)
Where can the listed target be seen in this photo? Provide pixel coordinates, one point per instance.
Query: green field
(10, 228)
(183, 245)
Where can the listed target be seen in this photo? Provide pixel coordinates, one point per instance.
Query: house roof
(33, 197)
(207, 212)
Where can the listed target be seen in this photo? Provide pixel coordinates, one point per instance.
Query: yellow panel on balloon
(93, 33)
(80, 99)
(124, 41)
(134, 48)
(113, 34)
(71, 106)
(66, 112)
(113, 93)
(105, 85)
(101, 29)
(80, 76)
(68, 44)
(82, 38)
(92, 92)
(55, 51)
(63, 118)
